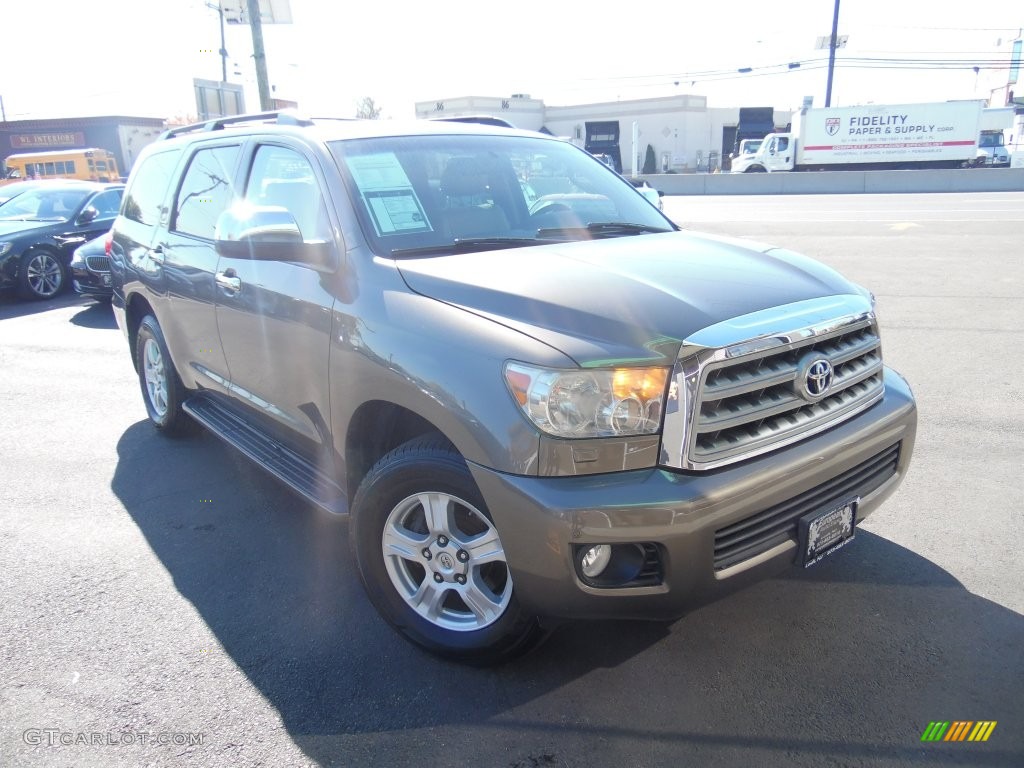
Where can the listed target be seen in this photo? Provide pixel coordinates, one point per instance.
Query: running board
(282, 462)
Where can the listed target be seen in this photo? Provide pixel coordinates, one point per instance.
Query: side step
(282, 462)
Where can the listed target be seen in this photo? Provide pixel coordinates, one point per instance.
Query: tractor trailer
(874, 137)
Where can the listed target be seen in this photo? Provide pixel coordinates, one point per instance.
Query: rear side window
(144, 200)
(205, 192)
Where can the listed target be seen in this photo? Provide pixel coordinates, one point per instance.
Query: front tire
(162, 390)
(431, 559)
(41, 275)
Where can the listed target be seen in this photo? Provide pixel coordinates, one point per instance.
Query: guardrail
(839, 182)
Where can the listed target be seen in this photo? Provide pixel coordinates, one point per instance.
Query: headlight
(590, 403)
(5, 247)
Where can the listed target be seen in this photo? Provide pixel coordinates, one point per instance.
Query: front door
(779, 155)
(275, 316)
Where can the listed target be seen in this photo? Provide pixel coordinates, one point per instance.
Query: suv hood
(622, 300)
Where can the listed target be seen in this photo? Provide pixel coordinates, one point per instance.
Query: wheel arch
(135, 308)
(376, 428)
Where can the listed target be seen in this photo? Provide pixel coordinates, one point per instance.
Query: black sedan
(90, 269)
(40, 228)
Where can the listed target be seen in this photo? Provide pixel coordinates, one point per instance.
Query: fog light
(595, 560)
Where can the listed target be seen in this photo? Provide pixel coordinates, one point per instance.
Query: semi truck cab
(992, 151)
(776, 153)
(779, 151)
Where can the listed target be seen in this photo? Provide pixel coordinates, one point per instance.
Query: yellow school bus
(90, 164)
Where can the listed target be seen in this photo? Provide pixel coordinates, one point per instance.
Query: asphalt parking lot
(165, 603)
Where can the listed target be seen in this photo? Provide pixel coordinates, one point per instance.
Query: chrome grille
(97, 263)
(752, 404)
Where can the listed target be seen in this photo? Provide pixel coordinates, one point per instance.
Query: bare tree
(366, 109)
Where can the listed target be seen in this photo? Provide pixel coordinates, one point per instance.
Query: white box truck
(996, 122)
(873, 137)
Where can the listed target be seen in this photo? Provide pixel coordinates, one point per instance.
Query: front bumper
(541, 519)
(87, 282)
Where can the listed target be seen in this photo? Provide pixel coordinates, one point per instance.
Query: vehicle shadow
(12, 306)
(846, 663)
(96, 315)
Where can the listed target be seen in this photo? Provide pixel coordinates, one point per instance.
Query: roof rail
(281, 117)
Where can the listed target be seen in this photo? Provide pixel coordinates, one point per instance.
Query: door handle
(228, 282)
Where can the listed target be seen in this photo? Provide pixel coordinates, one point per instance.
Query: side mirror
(267, 233)
(88, 215)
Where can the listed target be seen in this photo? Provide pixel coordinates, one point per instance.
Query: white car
(653, 196)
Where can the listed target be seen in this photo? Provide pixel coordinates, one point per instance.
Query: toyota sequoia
(534, 407)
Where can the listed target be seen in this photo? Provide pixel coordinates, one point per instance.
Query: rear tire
(162, 390)
(431, 559)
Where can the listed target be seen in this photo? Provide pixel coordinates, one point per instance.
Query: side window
(783, 144)
(205, 191)
(107, 203)
(283, 178)
(144, 200)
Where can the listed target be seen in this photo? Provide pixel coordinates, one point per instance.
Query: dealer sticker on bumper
(823, 532)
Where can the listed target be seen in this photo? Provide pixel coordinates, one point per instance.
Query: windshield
(43, 205)
(991, 140)
(445, 193)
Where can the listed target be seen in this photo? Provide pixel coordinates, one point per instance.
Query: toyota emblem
(818, 379)
(815, 378)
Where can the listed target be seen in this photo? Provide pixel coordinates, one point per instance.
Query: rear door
(275, 316)
(187, 263)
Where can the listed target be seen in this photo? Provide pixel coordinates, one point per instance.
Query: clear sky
(138, 57)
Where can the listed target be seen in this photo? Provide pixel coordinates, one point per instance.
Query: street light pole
(832, 55)
(219, 8)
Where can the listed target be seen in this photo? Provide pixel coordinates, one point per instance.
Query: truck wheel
(162, 390)
(40, 275)
(431, 559)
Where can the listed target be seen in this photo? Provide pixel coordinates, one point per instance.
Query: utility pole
(259, 54)
(223, 45)
(831, 54)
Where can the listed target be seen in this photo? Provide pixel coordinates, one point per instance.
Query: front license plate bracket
(825, 530)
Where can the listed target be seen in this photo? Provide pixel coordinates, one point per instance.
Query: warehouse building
(686, 136)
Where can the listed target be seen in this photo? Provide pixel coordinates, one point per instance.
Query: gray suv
(533, 407)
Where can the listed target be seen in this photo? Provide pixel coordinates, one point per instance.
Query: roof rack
(498, 122)
(281, 117)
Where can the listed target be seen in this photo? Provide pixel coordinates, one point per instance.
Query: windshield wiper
(466, 244)
(601, 229)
